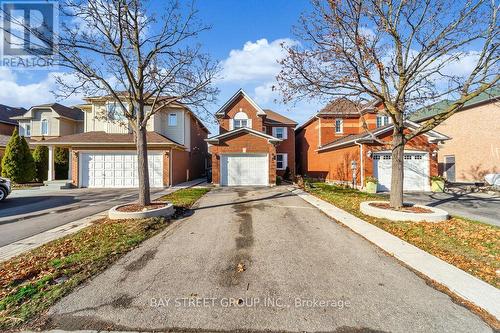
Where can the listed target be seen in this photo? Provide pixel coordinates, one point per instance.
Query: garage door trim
(224, 156)
(425, 161)
(131, 152)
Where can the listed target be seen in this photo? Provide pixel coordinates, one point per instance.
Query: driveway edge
(464, 285)
(30, 243)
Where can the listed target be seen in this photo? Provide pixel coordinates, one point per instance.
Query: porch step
(57, 184)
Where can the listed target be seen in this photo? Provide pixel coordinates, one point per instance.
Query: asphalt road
(476, 206)
(28, 212)
(260, 260)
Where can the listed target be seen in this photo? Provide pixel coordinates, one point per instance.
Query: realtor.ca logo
(28, 31)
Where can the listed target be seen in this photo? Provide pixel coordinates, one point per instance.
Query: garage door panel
(118, 169)
(416, 171)
(244, 169)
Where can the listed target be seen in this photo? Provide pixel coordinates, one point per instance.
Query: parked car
(4, 188)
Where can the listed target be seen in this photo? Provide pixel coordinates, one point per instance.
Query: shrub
(61, 162)
(437, 178)
(41, 157)
(278, 180)
(18, 163)
(370, 179)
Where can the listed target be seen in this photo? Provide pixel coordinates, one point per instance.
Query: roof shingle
(100, 138)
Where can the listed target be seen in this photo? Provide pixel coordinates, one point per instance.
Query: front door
(449, 168)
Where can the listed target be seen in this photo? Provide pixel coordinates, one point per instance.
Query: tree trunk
(397, 177)
(142, 165)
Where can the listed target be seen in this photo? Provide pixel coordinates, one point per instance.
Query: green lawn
(469, 245)
(33, 281)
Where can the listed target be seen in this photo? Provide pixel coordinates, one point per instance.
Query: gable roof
(7, 112)
(274, 117)
(217, 138)
(222, 111)
(366, 136)
(489, 95)
(72, 113)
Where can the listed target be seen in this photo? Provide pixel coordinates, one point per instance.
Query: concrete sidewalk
(459, 282)
(16, 248)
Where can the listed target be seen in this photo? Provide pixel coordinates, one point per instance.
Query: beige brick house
(474, 148)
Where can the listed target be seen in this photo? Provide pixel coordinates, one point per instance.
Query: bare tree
(143, 61)
(403, 53)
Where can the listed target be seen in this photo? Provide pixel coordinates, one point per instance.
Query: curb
(457, 281)
(437, 214)
(14, 249)
(115, 214)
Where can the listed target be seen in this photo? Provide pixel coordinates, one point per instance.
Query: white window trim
(341, 125)
(383, 123)
(284, 162)
(285, 134)
(41, 126)
(168, 119)
(25, 130)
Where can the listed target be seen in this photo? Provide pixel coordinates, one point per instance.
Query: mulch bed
(141, 208)
(406, 208)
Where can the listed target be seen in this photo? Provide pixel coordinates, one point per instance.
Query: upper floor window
(240, 120)
(114, 110)
(382, 120)
(172, 119)
(45, 127)
(339, 125)
(280, 132)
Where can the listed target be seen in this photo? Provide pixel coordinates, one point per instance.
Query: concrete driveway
(476, 206)
(29, 212)
(260, 260)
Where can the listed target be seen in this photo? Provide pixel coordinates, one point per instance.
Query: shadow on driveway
(31, 204)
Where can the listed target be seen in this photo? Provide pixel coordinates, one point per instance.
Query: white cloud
(26, 95)
(256, 61)
(265, 93)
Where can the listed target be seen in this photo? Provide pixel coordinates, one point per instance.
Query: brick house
(104, 154)
(254, 145)
(474, 148)
(329, 142)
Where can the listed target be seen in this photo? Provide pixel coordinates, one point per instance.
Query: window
(382, 120)
(239, 123)
(241, 120)
(28, 130)
(115, 112)
(339, 125)
(172, 119)
(280, 132)
(281, 161)
(45, 127)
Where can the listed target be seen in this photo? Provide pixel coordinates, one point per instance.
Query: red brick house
(329, 141)
(253, 146)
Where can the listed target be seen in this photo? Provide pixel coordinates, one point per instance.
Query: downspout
(170, 171)
(362, 172)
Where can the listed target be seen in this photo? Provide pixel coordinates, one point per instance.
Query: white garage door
(117, 169)
(416, 171)
(244, 169)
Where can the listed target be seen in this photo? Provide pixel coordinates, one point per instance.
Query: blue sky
(245, 37)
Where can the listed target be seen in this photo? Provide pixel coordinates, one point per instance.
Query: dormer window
(240, 120)
(172, 119)
(44, 127)
(339, 126)
(382, 120)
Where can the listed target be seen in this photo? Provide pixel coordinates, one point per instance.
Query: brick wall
(166, 168)
(199, 151)
(74, 168)
(245, 106)
(288, 147)
(7, 129)
(239, 144)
